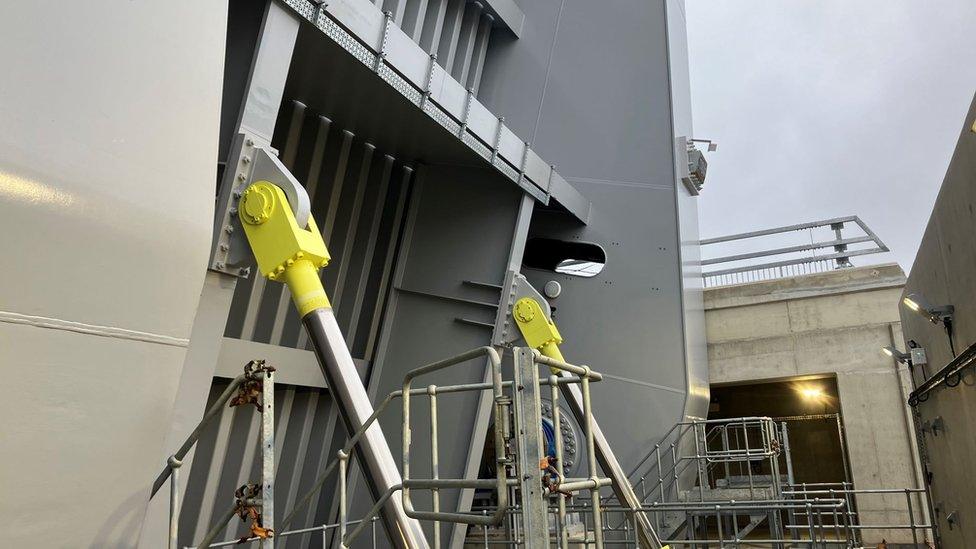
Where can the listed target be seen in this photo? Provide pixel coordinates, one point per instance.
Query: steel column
(267, 456)
(535, 508)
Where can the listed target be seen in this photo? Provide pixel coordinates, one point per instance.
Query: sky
(828, 108)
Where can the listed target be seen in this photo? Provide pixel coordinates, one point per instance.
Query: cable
(947, 323)
(957, 375)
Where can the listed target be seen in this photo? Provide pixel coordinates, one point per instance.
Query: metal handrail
(793, 265)
(684, 461)
(171, 471)
(194, 436)
(689, 425)
(500, 481)
(321, 528)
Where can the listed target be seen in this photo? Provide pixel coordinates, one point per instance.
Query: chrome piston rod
(354, 406)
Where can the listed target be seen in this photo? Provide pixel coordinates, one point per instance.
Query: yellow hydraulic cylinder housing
(284, 251)
(539, 330)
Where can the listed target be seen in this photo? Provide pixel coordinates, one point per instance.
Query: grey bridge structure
(457, 156)
(447, 146)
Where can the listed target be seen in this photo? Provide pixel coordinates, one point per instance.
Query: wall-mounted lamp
(901, 357)
(935, 315)
(941, 314)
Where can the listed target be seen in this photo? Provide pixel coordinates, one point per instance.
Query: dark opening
(560, 256)
(810, 409)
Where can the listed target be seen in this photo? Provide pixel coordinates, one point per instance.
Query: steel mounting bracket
(251, 159)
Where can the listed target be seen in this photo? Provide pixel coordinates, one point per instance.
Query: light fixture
(941, 314)
(904, 358)
(935, 315)
(811, 393)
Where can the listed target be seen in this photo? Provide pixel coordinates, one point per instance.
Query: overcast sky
(826, 108)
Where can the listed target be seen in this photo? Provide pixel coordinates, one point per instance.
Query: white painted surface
(108, 153)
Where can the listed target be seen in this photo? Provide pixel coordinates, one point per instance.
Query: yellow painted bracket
(538, 330)
(284, 251)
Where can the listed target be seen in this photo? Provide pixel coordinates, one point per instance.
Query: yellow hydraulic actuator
(289, 253)
(539, 330)
(284, 251)
(540, 333)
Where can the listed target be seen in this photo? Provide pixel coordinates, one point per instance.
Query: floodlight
(904, 358)
(935, 314)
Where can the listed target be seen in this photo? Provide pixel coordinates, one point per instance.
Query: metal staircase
(719, 483)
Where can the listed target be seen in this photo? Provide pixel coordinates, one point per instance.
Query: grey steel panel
(520, 232)
(537, 170)
(569, 197)
(367, 24)
(295, 366)
(689, 250)
(411, 61)
(433, 25)
(508, 13)
(466, 39)
(227, 457)
(440, 251)
(637, 320)
(608, 81)
(450, 32)
(511, 147)
(264, 89)
(358, 28)
(413, 19)
(450, 95)
(626, 321)
(480, 51)
(482, 123)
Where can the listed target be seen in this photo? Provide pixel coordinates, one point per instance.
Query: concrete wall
(828, 324)
(943, 272)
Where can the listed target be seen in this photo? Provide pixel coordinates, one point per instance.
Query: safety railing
(563, 487)
(326, 531)
(711, 447)
(255, 386)
(795, 260)
(822, 523)
(681, 478)
(914, 510)
(520, 481)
